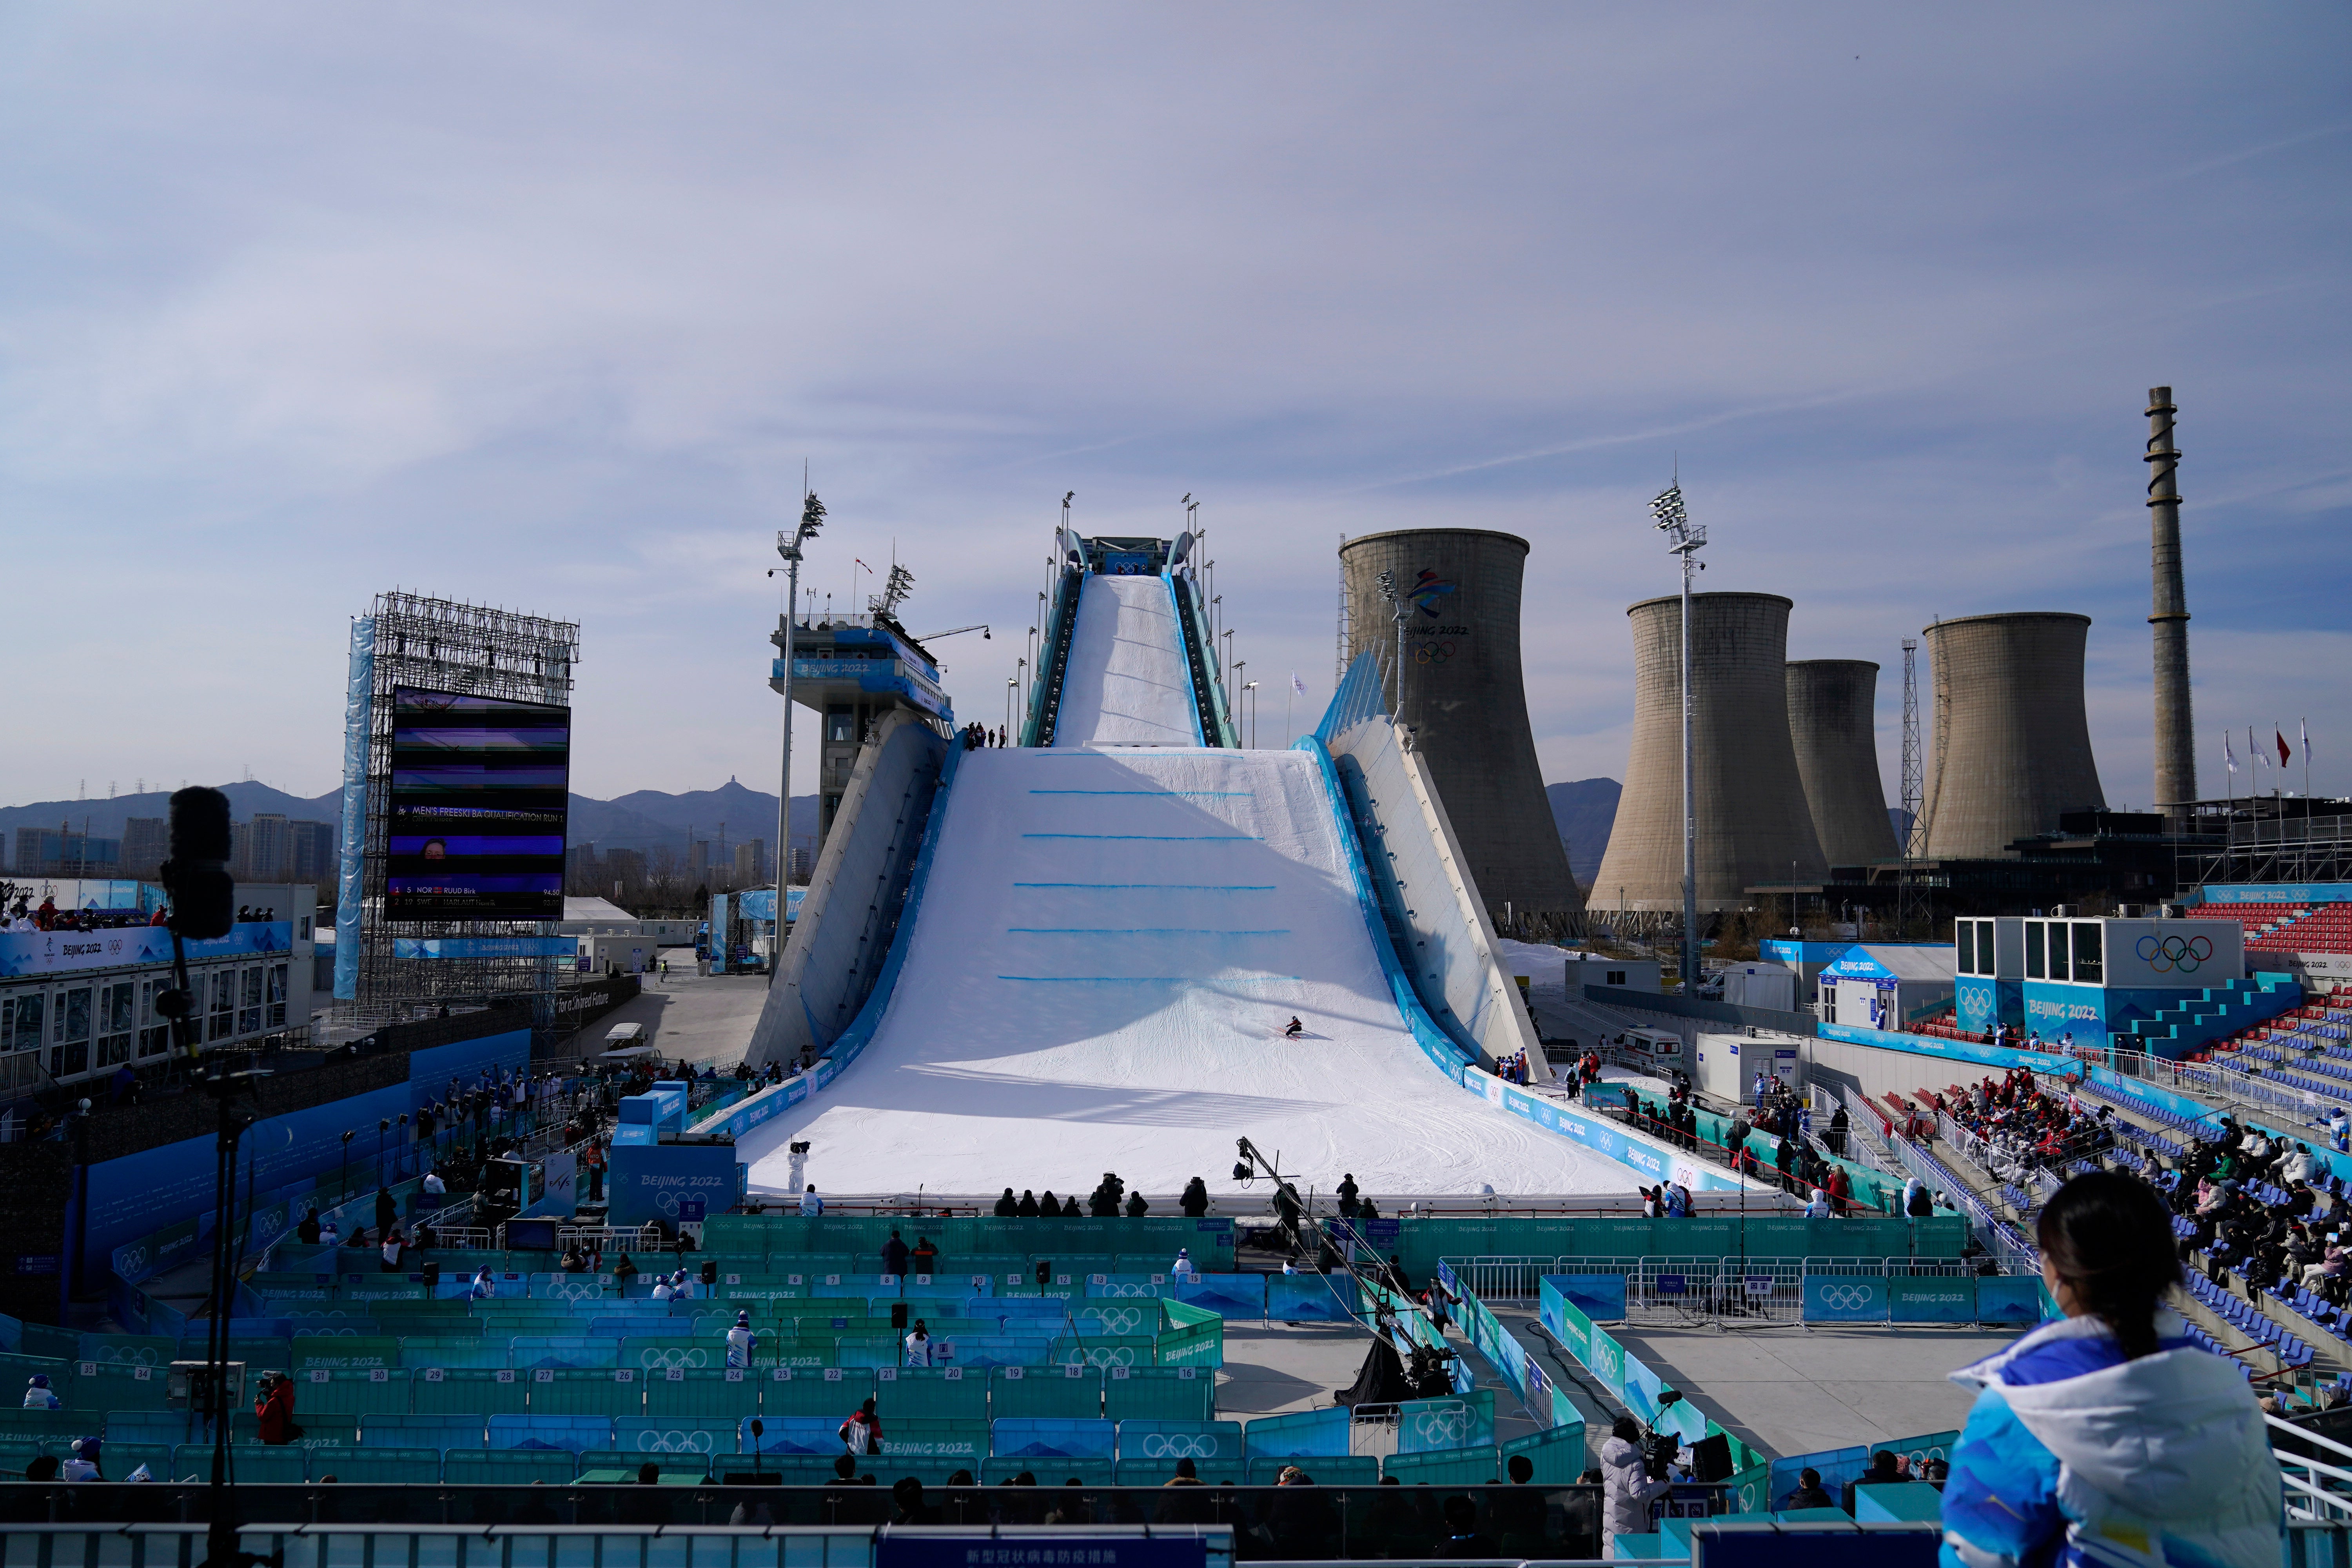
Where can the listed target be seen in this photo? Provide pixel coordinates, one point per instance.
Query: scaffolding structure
(441, 645)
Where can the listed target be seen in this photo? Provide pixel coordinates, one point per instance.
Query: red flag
(2284, 753)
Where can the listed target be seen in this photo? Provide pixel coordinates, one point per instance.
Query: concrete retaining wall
(1418, 872)
(850, 911)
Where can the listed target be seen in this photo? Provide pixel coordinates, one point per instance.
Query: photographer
(273, 1409)
(1626, 1488)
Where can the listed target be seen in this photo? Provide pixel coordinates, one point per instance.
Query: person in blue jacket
(2107, 1439)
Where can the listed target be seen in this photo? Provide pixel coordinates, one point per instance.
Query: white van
(1661, 1045)
(622, 1036)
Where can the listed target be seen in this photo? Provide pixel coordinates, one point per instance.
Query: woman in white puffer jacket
(1626, 1488)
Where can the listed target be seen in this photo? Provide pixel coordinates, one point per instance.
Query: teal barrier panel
(1944, 1300)
(1435, 1426)
(1319, 1434)
(1599, 1297)
(1308, 1297)
(1179, 1440)
(1557, 1454)
(2009, 1299)
(1845, 1298)
(1105, 1320)
(1048, 1437)
(1227, 1295)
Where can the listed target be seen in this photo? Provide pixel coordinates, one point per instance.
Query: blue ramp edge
(854, 1039)
(1184, 652)
(1436, 1043)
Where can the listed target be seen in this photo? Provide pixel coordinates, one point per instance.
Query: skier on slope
(1295, 1029)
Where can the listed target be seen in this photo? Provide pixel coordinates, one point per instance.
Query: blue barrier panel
(1434, 1425)
(1319, 1434)
(1845, 1298)
(2009, 1299)
(1837, 1466)
(1227, 1295)
(1048, 1437)
(1949, 1300)
(1599, 1297)
(1179, 1440)
(1001, 1350)
(575, 1433)
(1029, 1306)
(1308, 1297)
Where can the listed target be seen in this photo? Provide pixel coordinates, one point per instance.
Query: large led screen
(478, 791)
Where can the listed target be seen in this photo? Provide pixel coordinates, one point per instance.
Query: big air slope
(1107, 948)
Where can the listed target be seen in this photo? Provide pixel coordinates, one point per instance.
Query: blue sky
(546, 306)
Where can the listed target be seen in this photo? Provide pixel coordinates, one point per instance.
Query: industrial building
(1754, 825)
(2012, 742)
(1445, 602)
(1833, 728)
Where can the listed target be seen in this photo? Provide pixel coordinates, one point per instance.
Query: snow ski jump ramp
(1108, 945)
(1126, 683)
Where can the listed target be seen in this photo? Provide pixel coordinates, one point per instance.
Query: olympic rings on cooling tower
(2167, 954)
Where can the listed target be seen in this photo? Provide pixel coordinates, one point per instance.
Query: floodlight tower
(788, 545)
(1675, 522)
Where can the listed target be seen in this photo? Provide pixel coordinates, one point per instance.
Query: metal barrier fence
(1664, 1289)
(348, 1545)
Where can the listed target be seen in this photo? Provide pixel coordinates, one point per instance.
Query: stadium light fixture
(790, 545)
(1672, 518)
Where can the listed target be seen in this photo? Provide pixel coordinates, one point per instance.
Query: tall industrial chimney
(1466, 703)
(1753, 823)
(1833, 723)
(2176, 748)
(2013, 740)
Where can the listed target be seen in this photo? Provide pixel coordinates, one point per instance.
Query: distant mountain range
(641, 819)
(1584, 812)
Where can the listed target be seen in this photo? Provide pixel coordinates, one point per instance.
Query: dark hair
(1810, 1477)
(2109, 1238)
(1522, 1469)
(1625, 1427)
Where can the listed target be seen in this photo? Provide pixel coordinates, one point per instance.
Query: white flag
(1297, 685)
(2227, 756)
(2302, 731)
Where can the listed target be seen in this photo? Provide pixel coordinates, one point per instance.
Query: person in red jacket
(273, 1409)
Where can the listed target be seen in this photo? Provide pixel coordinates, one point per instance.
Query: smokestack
(2175, 747)
(1833, 723)
(2013, 740)
(1753, 821)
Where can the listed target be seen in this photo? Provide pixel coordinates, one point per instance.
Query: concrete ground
(688, 1018)
(1788, 1389)
(1274, 1368)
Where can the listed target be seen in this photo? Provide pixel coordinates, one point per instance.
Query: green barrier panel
(1455, 1468)
(1557, 1453)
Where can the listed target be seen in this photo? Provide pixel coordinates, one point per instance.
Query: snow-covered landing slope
(1105, 954)
(1126, 683)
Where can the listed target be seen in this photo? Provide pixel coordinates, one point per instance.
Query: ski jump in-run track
(1115, 932)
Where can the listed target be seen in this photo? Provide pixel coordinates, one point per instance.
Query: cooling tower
(2012, 743)
(1464, 701)
(1832, 724)
(1753, 823)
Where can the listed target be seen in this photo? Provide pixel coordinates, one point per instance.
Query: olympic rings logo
(1433, 653)
(651, 1442)
(1180, 1446)
(1117, 1319)
(1848, 1298)
(1447, 1425)
(130, 1260)
(573, 1290)
(1116, 1290)
(665, 1358)
(126, 1356)
(2166, 953)
(1104, 1355)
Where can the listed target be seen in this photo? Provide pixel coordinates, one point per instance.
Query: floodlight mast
(788, 545)
(1673, 521)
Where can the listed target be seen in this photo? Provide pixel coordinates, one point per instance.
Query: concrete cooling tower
(1832, 724)
(1753, 823)
(1464, 699)
(2012, 745)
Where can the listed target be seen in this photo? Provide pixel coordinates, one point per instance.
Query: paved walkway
(688, 1018)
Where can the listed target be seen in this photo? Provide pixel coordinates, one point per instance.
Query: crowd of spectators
(2262, 1208)
(2026, 1128)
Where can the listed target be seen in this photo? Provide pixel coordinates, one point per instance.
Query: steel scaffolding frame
(443, 644)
